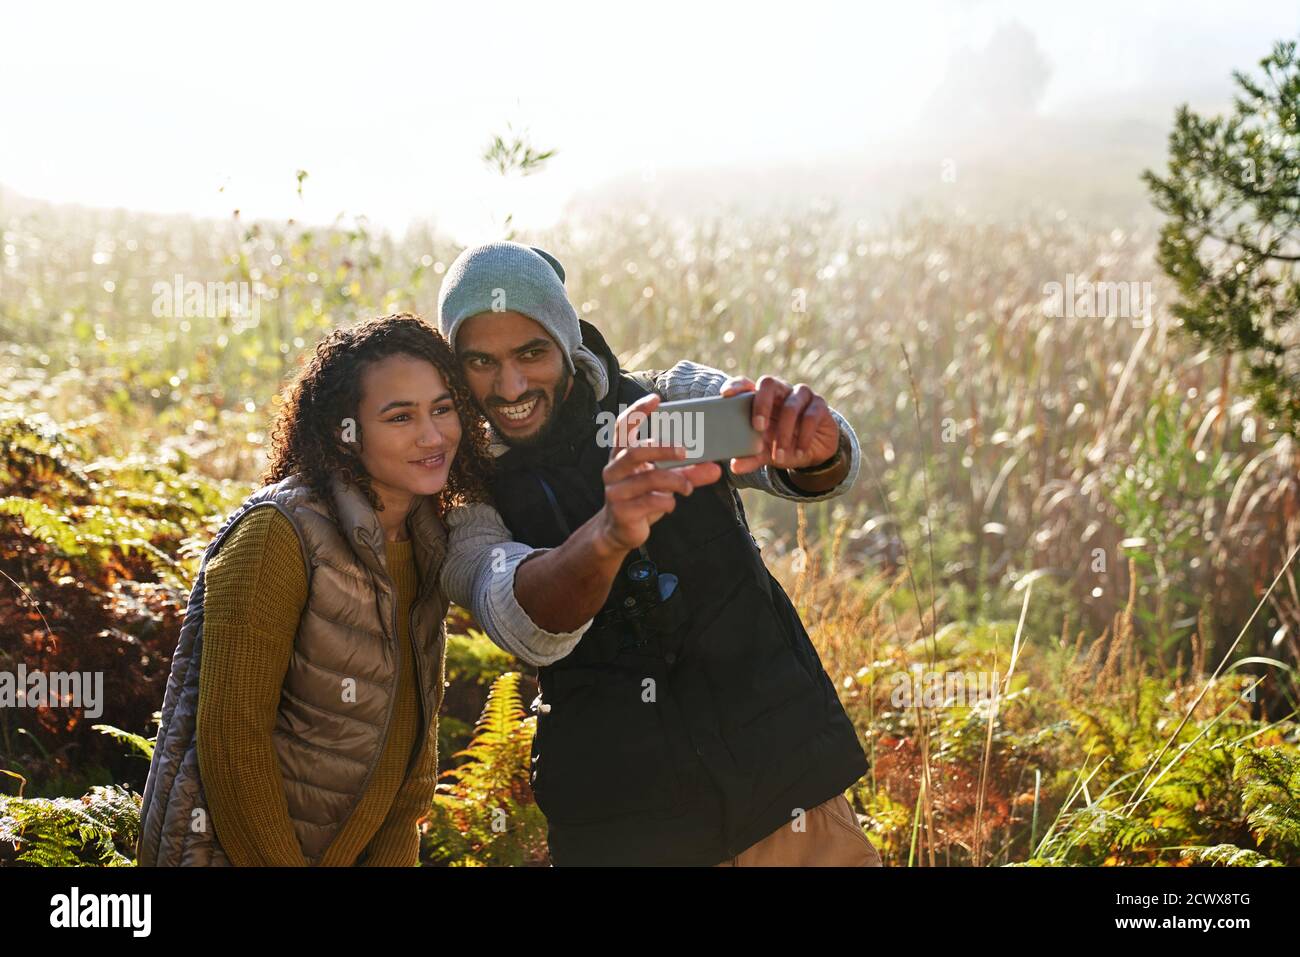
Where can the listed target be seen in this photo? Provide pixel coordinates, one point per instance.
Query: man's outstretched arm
(479, 573)
(536, 603)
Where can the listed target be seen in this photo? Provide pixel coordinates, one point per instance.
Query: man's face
(516, 372)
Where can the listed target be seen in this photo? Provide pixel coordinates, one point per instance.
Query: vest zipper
(388, 721)
(419, 688)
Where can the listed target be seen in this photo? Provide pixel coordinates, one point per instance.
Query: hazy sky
(389, 105)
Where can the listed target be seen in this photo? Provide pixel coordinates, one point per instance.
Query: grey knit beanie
(506, 276)
(496, 277)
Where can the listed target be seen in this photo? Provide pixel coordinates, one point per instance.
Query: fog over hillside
(994, 106)
(983, 145)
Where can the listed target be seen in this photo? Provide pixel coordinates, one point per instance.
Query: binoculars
(648, 604)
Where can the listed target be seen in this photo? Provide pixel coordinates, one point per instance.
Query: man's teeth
(518, 412)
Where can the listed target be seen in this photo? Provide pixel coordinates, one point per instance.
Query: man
(684, 716)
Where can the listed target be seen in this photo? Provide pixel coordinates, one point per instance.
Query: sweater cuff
(507, 620)
(779, 479)
(479, 575)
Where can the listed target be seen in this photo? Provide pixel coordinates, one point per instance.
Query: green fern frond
(490, 789)
(93, 830)
(49, 526)
(495, 741)
(36, 450)
(136, 741)
(1227, 855)
(1270, 778)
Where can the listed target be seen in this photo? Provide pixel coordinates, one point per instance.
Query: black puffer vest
(682, 748)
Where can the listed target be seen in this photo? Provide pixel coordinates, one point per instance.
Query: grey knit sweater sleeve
(690, 380)
(479, 574)
(479, 571)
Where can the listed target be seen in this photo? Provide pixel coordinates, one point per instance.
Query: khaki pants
(830, 837)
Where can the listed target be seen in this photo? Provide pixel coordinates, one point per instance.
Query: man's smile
(519, 414)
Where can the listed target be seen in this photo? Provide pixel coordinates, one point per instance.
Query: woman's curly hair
(327, 390)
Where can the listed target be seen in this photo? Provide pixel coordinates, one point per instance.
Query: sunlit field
(1083, 506)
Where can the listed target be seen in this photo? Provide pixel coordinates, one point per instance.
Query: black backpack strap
(555, 505)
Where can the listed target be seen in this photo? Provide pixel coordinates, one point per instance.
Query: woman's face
(410, 429)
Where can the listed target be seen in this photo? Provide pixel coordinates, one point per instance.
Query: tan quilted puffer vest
(338, 695)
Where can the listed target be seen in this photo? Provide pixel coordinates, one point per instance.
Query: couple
(684, 716)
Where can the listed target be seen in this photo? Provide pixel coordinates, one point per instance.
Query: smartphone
(712, 429)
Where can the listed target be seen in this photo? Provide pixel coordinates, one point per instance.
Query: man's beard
(556, 402)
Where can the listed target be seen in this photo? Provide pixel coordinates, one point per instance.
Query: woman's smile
(431, 463)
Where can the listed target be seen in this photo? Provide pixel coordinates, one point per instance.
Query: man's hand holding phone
(798, 428)
(637, 494)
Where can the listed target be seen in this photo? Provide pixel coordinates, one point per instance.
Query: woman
(299, 725)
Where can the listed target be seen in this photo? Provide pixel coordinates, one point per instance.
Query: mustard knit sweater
(255, 595)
